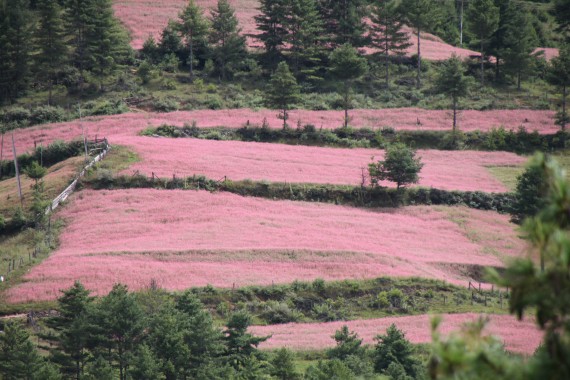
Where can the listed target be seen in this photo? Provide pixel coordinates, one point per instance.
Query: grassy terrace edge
(336, 194)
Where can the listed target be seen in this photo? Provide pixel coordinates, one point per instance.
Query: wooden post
(501, 299)
(472, 298)
(485, 300)
(17, 171)
(479, 287)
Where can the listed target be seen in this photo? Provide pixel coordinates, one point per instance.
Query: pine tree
(145, 365)
(519, 43)
(344, 21)
(15, 47)
(194, 29)
(72, 328)
(347, 344)
(347, 65)
(170, 42)
(228, 46)
(394, 347)
(241, 345)
(283, 365)
(50, 40)
(271, 23)
(559, 76)
(418, 13)
(483, 21)
(386, 32)
(19, 359)
(452, 81)
(562, 14)
(304, 30)
(283, 91)
(77, 19)
(400, 165)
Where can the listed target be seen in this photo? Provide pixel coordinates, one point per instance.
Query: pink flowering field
(188, 238)
(458, 170)
(518, 336)
(131, 124)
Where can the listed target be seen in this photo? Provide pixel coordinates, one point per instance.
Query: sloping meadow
(181, 239)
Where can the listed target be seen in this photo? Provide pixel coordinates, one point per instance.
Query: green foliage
(530, 192)
(145, 72)
(329, 369)
(393, 347)
(19, 359)
(452, 81)
(145, 365)
(283, 91)
(346, 65)
(483, 21)
(270, 22)
(241, 346)
(347, 344)
(400, 165)
(194, 29)
(559, 76)
(344, 21)
(283, 365)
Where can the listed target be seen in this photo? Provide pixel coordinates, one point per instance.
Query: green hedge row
(336, 194)
(498, 139)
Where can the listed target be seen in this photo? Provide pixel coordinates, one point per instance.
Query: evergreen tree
(562, 14)
(386, 32)
(15, 47)
(145, 366)
(194, 28)
(77, 19)
(304, 30)
(452, 81)
(283, 91)
(50, 40)
(170, 42)
(347, 344)
(107, 44)
(119, 319)
(283, 365)
(418, 13)
(347, 65)
(72, 328)
(19, 359)
(559, 76)
(400, 165)
(519, 43)
(150, 51)
(393, 347)
(271, 23)
(344, 21)
(241, 346)
(530, 193)
(99, 369)
(228, 46)
(483, 21)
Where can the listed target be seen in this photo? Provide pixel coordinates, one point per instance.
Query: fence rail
(71, 188)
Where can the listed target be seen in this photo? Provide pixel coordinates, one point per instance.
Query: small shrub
(165, 105)
(47, 114)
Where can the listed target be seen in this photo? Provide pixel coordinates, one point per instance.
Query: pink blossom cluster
(518, 336)
(459, 170)
(131, 124)
(189, 238)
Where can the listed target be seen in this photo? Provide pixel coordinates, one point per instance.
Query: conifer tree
(194, 29)
(50, 40)
(228, 46)
(394, 347)
(344, 21)
(19, 359)
(386, 32)
(347, 65)
(559, 76)
(77, 19)
(283, 91)
(520, 40)
(304, 30)
(562, 14)
(483, 21)
(241, 346)
(271, 23)
(452, 81)
(15, 47)
(418, 13)
(283, 365)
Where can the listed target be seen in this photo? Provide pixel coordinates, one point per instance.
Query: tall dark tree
(241, 346)
(304, 33)
(348, 343)
(50, 36)
(228, 46)
(77, 22)
(483, 21)
(271, 23)
(19, 358)
(15, 47)
(419, 14)
(386, 32)
(559, 76)
(346, 65)
(394, 347)
(562, 14)
(344, 21)
(283, 91)
(194, 29)
(520, 40)
(453, 82)
(73, 329)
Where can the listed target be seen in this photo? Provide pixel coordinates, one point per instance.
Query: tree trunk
(519, 80)
(50, 88)
(497, 68)
(1, 153)
(563, 125)
(284, 118)
(454, 114)
(346, 98)
(191, 60)
(386, 53)
(418, 81)
(482, 64)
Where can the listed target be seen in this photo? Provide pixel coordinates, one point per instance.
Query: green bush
(165, 105)
(47, 114)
